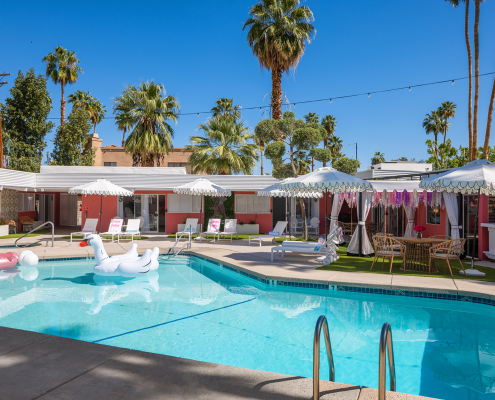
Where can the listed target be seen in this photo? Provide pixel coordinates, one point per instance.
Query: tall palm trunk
(489, 123)
(123, 138)
(445, 132)
(470, 60)
(261, 152)
(436, 145)
(62, 106)
(276, 93)
(1, 141)
(477, 4)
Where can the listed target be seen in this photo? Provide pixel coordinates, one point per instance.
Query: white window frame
(191, 203)
(255, 201)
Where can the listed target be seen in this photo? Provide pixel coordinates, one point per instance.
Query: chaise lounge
(278, 232)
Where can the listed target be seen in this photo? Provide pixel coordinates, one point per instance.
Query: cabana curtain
(450, 200)
(334, 217)
(362, 213)
(410, 211)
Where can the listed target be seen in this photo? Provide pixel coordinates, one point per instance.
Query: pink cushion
(87, 230)
(229, 230)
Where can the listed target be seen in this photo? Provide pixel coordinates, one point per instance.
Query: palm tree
(223, 148)
(96, 112)
(330, 124)
(433, 123)
(225, 107)
(62, 67)
(150, 110)
(80, 99)
(278, 32)
(446, 110)
(124, 122)
(378, 158)
(489, 123)
(335, 144)
(312, 117)
(455, 3)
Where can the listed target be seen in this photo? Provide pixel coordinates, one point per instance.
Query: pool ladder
(187, 244)
(385, 343)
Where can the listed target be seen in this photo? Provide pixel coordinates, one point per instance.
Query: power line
(330, 99)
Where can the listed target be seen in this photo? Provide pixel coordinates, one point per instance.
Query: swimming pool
(192, 308)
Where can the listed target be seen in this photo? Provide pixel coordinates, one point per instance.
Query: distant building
(115, 156)
(394, 168)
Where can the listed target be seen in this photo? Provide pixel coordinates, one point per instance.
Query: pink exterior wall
(420, 219)
(92, 203)
(483, 244)
(265, 221)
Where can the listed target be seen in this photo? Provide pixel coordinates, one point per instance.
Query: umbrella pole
(287, 215)
(326, 211)
(359, 216)
(101, 207)
(476, 227)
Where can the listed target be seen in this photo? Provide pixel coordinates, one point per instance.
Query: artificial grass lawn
(246, 237)
(19, 234)
(359, 264)
(81, 236)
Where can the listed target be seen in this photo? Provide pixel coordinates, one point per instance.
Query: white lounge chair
(327, 251)
(89, 228)
(295, 225)
(229, 229)
(114, 229)
(190, 228)
(132, 229)
(278, 232)
(213, 229)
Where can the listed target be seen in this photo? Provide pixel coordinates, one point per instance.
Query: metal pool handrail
(321, 323)
(177, 241)
(386, 342)
(35, 229)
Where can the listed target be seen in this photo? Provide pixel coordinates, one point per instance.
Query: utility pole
(1, 133)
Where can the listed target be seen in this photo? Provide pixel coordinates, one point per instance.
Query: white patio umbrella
(100, 187)
(202, 187)
(476, 177)
(274, 191)
(329, 180)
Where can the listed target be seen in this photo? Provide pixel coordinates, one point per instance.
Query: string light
(452, 82)
(295, 105)
(341, 97)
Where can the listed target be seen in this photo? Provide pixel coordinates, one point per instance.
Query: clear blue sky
(199, 52)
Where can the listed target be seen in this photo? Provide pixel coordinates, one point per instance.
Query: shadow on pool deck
(39, 366)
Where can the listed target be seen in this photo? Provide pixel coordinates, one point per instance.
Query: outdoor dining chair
(447, 252)
(314, 225)
(388, 248)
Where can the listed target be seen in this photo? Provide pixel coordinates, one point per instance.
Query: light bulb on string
(452, 82)
(330, 100)
(369, 95)
(198, 114)
(410, 88)
(295, 105)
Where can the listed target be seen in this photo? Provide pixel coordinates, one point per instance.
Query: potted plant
(419, 229)
(4, 229)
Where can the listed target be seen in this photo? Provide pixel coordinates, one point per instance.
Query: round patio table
(417, 253)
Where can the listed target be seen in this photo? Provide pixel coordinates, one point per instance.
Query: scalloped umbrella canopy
(202, 187)
(478, 175)
(274, 191)
(100, 187)
(327, 179)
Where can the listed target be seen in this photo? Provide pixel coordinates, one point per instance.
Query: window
(251, 204)
(25, 201)
(183, 203)
(433, 215)
(177, 164)
(110, 164)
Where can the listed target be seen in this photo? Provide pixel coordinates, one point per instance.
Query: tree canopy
(25, 121)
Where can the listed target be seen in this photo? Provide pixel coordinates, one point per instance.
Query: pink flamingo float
(8, 260)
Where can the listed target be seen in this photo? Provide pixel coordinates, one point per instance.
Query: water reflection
(111, 288)
(25, 273)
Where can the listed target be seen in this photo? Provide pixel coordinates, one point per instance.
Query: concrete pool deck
(39, 366)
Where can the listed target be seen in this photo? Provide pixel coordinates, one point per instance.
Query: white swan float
(128, 264)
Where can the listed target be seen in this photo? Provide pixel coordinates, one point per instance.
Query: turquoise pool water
(194, 309)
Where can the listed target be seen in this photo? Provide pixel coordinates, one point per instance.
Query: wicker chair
(10, 223)
(26, 222)
(387, 247)
(446, 252)
(443, 237)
